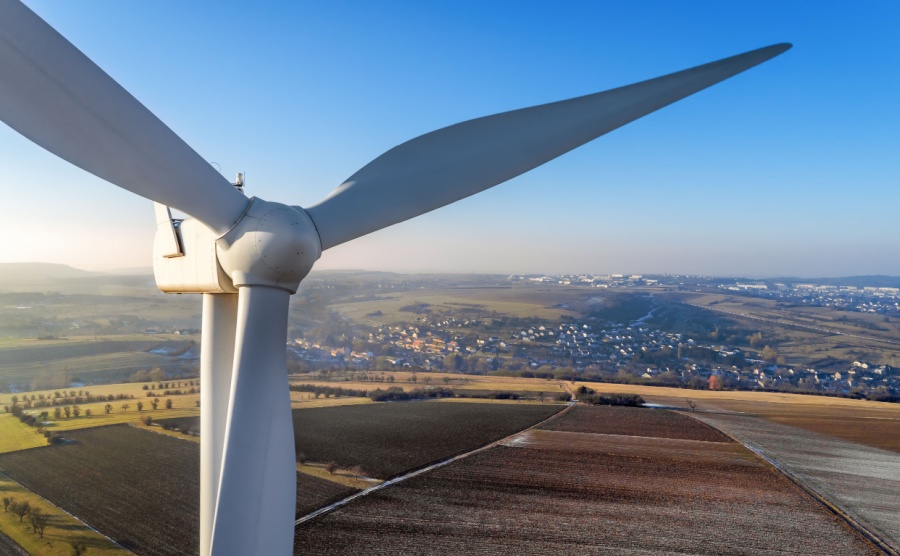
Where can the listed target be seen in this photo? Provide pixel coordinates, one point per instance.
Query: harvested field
(874, 424)
(387, 439)
(583, 493)
(634, 421)
(93, 368)
(139, 488)
(633, 446)
(313, 493)
(62, 529)
(861, 480)
(37, 351)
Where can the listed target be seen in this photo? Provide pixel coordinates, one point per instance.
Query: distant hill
(28, 272)
(49, 277)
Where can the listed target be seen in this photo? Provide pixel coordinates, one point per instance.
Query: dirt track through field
(860, 480)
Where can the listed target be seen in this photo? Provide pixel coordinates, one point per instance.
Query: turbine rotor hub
(272, 245)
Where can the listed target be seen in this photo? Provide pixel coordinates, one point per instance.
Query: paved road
(8, 547)
(861, 480)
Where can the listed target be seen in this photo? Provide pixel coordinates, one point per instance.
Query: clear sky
(791, 168)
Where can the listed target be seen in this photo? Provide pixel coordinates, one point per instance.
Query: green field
(15, 435)
(474, 303)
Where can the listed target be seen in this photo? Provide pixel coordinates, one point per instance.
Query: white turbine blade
(257, 489)
(216, 363)
(54, 95)
(449, 164)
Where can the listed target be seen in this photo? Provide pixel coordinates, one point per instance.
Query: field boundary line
(415, 473)
(833, 508)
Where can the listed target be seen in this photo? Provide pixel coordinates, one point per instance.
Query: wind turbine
(247, 256)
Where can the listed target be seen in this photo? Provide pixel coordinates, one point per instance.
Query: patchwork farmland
(555, 492)
(592, 480)
(142, 489)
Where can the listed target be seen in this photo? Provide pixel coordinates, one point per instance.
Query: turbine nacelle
(272, 245)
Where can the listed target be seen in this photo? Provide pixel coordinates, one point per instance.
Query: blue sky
(788, 169)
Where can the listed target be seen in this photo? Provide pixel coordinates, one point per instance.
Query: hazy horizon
(787, 170)
(149, 270)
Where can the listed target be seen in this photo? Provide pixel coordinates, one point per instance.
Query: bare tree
(39, 521)
(692, 404)
(169, 403)
(108, 408)
(22, 510)
(154, 403)
(140, 406)
(76, 411)
(125, 406)
(331, 467)
(6, 501)
(68, 411)
(78, 548)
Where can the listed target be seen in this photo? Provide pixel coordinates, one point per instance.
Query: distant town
(838, 337)
(638, 350)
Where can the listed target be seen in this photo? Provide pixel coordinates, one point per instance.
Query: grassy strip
(16, 435)
(62, 529)
(340, 476)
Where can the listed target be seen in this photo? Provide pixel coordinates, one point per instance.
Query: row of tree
(24, 509)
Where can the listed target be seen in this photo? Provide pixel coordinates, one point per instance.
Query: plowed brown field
(552, 492)
(139, 488)
(634, 421)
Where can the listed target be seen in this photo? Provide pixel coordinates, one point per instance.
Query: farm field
(113, 477)
(15, 435)
(812, 333)
(61, 528)
(387, 439)
(863, 481)
(517, 301)
(875, 424)
(553, 492)
(139, 488)
(870, 423)
(633, 421)
(466, 384)
(91, 360)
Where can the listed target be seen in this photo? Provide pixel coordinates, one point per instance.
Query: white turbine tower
(247, 256)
